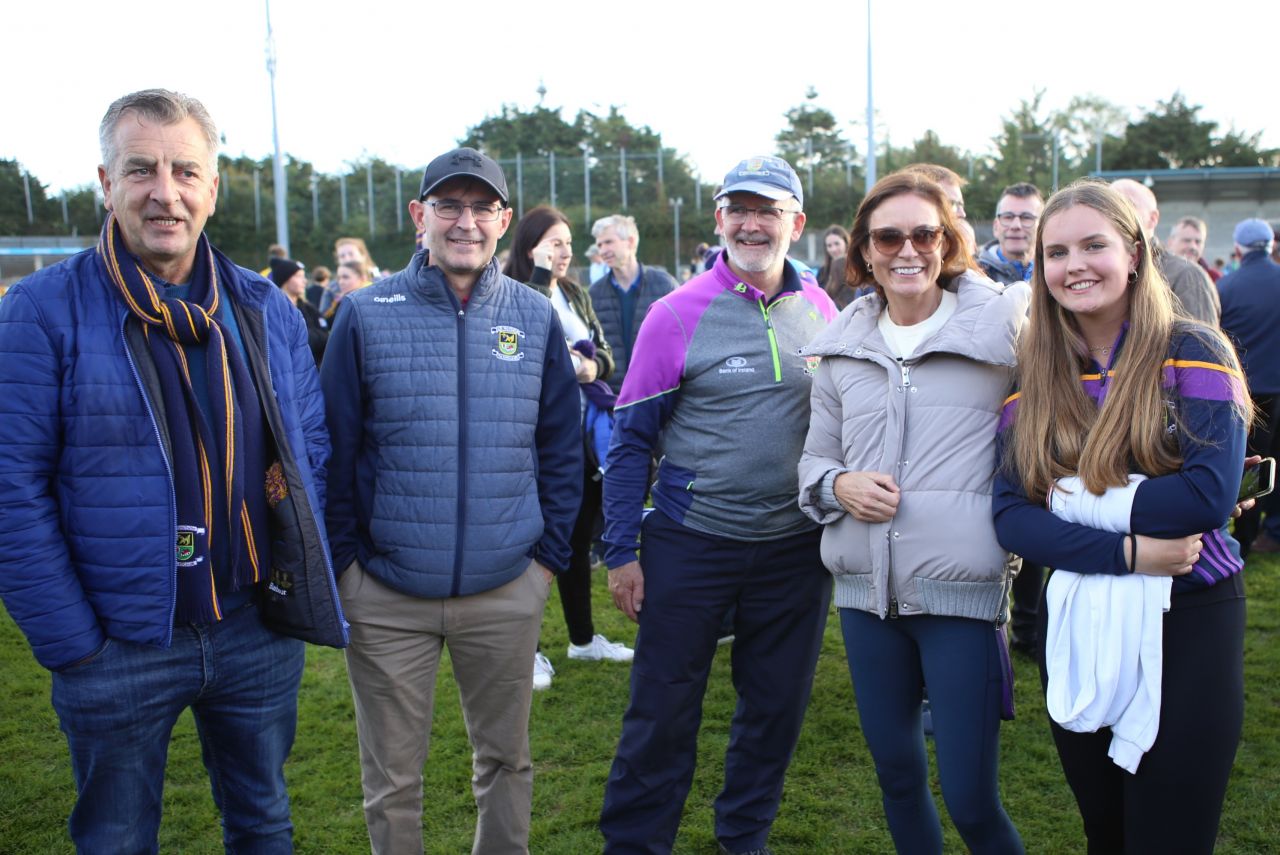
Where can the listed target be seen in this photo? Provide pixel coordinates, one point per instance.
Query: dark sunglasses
(923, 238)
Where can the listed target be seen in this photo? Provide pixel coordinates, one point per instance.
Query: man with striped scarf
(161, 487)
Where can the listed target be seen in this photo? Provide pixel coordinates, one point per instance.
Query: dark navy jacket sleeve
(342, 382)
(38, 583)
(310, 404)
(558, 441)
(1037, 534)
(1200, 496)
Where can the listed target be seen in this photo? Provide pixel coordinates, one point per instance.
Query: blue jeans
(118, 710)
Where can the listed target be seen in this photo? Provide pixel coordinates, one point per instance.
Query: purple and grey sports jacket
(718, 389)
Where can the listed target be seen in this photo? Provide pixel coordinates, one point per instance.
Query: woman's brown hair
(955, 255)
(529, 232)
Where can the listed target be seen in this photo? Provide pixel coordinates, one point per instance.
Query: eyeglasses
(766, 214)
(923, 238)
(451, 209)
(1007, 217)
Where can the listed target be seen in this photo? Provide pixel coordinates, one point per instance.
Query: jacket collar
(984, 327)
(727, 279)
(250, 290)
(430, 281)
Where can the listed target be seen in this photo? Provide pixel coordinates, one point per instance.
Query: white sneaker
(542, 671)
(601, 649)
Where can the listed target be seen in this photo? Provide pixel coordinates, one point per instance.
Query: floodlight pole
(281, 187)
(675, 206)
(871, 113)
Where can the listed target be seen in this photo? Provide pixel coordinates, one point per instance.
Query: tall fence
(672, 204)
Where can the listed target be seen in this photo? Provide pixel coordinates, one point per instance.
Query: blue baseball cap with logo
(771, 177)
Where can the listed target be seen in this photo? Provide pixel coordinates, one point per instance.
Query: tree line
(592, 165)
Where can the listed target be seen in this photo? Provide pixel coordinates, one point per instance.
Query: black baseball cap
(464, 163)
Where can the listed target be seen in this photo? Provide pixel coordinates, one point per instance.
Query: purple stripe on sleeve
(657, 361)
(1200, 380)
(1211, 564)
(1216, 554)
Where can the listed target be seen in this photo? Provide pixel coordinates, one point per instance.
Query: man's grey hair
(624, 225)
(1195, 222)
(155, 105)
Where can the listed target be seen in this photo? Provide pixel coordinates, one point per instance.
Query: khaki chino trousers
(396, 641)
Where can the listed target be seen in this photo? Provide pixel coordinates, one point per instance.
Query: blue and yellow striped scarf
(214, 457)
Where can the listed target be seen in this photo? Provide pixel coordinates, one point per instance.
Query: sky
(404, 80)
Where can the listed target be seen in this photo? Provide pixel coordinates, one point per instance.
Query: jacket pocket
(846, 547)
(676, 486)
(92, 659)
(299, 600)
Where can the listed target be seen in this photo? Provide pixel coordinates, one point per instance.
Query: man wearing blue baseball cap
(1251, 318)
(716, 381)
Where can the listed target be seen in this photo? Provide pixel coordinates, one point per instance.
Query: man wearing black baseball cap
(454, 486)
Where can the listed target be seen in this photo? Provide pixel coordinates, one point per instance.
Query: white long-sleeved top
(1104, 642)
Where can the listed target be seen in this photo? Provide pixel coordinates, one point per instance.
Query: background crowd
(1071, 395)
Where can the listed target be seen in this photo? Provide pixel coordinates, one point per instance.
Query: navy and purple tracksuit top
(1197, 499)
(718, 389)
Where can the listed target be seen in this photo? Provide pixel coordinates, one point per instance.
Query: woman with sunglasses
(541, 252)
(1145, 411)
(897, 465)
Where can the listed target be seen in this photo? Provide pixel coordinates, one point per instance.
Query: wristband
(1133, 553)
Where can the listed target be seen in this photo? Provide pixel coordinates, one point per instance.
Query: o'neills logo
(508, 348)
(394, 298)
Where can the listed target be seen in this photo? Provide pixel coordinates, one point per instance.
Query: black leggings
(575, 583)
(1174, 802)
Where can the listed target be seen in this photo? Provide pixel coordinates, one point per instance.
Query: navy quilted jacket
(87, 522)
(456, 433)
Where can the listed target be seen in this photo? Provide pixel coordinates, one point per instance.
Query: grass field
(831, 803)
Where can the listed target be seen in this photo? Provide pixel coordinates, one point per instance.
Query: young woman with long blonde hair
(1122, 399)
